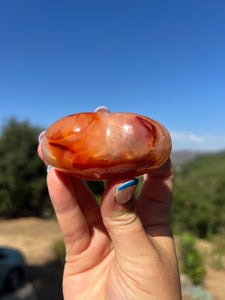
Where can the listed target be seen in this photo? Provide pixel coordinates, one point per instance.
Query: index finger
(154, 203)
(74, 204)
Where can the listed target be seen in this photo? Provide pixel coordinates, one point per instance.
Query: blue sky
(163, 59)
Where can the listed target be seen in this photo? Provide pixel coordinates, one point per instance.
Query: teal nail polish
(126, 191)
(128, 184)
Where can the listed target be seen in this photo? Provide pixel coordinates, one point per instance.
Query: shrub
(192, 262)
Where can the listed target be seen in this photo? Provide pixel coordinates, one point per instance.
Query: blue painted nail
(126, 191)
(128, 184)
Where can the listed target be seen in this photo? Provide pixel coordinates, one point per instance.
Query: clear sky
(161, 58)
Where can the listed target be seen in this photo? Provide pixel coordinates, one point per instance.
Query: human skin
(123, 249)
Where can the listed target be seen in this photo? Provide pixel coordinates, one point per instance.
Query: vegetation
(22, 174)
(218, 252)
(199, 195)
(192, 261)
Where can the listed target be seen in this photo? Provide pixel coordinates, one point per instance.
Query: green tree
(22, 174)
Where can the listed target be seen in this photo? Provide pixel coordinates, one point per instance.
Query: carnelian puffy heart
(106, 146)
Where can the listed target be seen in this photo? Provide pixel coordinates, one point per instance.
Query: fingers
(40, 151)
(75, 207)
(71, 219)
(76, 210)
(154, 203)
(121, 220)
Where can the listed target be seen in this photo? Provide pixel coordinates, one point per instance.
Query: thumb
(121, 220)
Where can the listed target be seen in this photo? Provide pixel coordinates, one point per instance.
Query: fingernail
(41, 135)
(49, 167)
(102, 109)
(126, 191)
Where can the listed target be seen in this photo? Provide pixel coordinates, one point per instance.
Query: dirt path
(35, 238)
(214, 279)
(214, 282)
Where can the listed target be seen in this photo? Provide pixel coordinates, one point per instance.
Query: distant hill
(181, 157)
(199, 192)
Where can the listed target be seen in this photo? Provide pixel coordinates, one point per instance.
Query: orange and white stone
(106, 146)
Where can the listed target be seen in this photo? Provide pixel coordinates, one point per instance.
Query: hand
(123, 249)
(118, 251)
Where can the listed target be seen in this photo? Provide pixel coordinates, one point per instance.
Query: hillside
(199, 193)
(181, 157)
